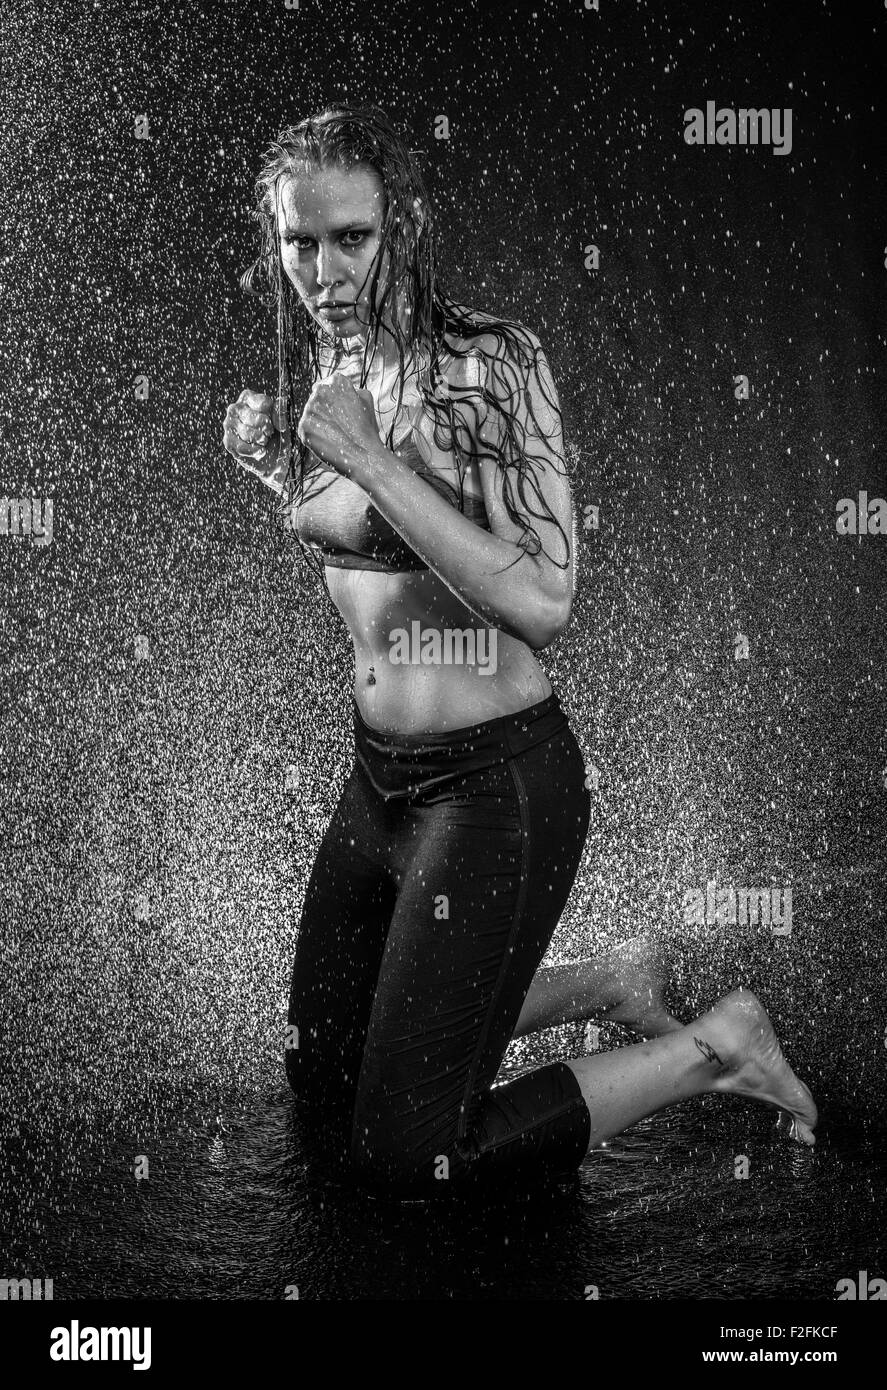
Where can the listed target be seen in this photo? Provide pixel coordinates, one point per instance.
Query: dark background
(164, 780)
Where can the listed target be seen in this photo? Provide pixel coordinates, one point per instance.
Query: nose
(328, 268)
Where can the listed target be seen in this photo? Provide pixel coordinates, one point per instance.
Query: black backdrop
(155, 859)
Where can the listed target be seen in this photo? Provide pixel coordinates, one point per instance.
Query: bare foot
(755, 1067)
(636, 990)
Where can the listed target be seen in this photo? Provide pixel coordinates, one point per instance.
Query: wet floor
(230, 1210)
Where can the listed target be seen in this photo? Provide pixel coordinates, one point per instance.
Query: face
(329, 222)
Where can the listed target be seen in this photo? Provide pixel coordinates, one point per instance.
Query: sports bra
(336, 518)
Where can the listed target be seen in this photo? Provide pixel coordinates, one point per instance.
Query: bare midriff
(476, 674)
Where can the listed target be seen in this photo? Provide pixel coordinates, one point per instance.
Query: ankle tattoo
(708, 1051)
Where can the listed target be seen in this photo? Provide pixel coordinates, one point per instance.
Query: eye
(359, 237)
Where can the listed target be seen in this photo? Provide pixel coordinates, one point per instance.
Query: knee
(319, 1073)
(295, 1074)
(377, 1158)
(380, 1162)
(322, 1111)
(400, 1154)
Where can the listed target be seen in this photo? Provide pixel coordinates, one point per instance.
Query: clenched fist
(253, 437)
(339, 426)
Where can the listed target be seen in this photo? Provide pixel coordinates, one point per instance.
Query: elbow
(548, 624)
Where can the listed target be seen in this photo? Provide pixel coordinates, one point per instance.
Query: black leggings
(437, 887)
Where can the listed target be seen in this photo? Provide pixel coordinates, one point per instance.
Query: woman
(430, 482)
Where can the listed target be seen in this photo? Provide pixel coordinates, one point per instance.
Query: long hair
(345, 136)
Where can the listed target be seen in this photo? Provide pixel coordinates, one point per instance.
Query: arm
(532, 599)
(252, 436)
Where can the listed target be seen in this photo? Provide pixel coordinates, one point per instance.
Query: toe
(795, 1128)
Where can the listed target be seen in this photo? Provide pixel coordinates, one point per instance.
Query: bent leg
(623, 986)
(732, 1049)
(344, 922)
(481, 892)
(487, 870)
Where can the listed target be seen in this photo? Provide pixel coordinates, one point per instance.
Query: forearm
(273, 475)
(497, 580)
(276, 477)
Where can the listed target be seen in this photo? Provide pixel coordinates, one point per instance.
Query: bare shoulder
(493, 343)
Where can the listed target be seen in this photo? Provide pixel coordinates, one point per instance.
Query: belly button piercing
(371, 675)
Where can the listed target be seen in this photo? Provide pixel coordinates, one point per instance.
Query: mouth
(334, 306)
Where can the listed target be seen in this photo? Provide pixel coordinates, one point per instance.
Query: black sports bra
(336, 518)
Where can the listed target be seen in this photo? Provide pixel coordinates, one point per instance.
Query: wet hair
(347, 136)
